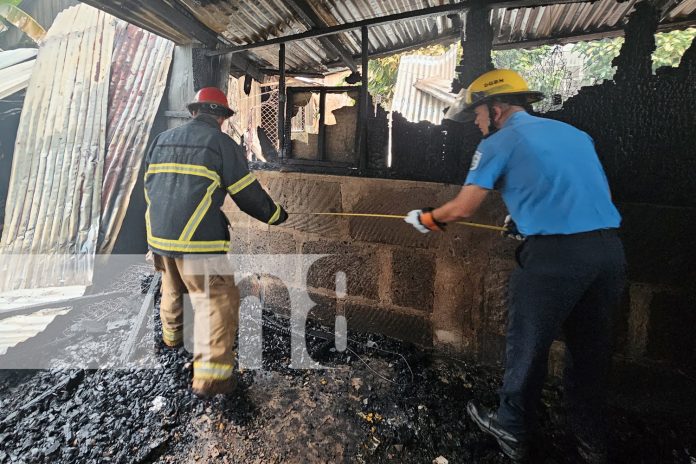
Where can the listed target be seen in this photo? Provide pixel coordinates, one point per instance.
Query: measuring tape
(394, 216)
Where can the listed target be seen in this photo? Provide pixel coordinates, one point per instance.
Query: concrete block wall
(450, 290)
(445, 290)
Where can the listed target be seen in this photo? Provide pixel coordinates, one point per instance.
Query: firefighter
(189, 171)
(571, 270)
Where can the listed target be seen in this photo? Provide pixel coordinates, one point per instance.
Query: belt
(592, 233)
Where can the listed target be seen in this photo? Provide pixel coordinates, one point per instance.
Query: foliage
(599, 54)
(544, 68)
(382, 72)
(671, 46)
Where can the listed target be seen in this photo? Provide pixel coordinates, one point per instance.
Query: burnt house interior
(426, 315)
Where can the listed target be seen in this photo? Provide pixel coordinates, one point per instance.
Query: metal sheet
(12, 57)
(15, 78)
(54, 199)
(238, 22)
(415, 104)
(15, 330)
(141, 63)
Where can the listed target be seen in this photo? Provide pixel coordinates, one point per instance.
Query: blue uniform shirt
(549, 176)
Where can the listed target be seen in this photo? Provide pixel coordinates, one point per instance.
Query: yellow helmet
(486, 88)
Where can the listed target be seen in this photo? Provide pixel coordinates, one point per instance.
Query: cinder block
(358, 262)
(557, 355)
(277, 298)
(267, 242)
(458, 296)
(303, 194)
(413, 279)
(491, 348)
(364, 318)
(392, 198)
(495, 294)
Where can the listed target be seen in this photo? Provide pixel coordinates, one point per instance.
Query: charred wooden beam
(420, 13)
(152, 16)
(313, 21)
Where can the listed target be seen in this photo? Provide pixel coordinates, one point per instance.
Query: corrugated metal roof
(55, 188)
(416, 104)
(15, 330)
(12, 57)
(15, 70)
(141, 63)
(240, 22)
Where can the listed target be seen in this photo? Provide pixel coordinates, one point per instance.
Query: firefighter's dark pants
(566, 284)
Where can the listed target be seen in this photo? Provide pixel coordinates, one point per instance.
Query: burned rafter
(313, 21)
(420, 13)
(158, 16)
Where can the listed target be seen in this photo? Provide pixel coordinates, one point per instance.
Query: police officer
(189, 172)
(571, 265)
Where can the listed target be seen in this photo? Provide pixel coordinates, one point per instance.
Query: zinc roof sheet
(241, 22)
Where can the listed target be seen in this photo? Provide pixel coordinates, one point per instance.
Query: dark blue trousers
(570, 285)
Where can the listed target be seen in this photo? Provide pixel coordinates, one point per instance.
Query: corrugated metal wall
(414, 104)
(54, 198)
(141, 64)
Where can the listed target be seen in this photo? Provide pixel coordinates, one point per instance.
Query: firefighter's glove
(423, 221)
(511, 230)
(282, 218)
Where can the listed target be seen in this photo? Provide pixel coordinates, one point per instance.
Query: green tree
(599, 54)
(544, 68)
(671, 46)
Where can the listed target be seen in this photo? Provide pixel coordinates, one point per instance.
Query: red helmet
(213, 98)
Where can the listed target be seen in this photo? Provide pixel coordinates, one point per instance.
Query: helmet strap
(491, 126)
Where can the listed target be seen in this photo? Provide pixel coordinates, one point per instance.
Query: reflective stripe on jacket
(189, 171)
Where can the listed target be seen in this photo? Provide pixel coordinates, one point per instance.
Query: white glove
(413, 218)
(512, 231)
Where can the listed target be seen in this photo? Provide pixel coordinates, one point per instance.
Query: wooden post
(364, 99)
(322, 126)
(281, 101)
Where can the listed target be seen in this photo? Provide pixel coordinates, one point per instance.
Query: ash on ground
(380, 401)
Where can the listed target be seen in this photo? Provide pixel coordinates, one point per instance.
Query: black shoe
(592, 453)
(486, 419)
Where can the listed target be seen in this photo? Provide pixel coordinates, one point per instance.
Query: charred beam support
(315, 33)
(282, 97)
(244, 65)
(477, 43)
(276, 72)
(420, 13)
(448, 37)
(179, 20)
(313, 21)
(322, 127)
(364, 97)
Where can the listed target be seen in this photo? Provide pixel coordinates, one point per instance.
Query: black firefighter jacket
(189, 172)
